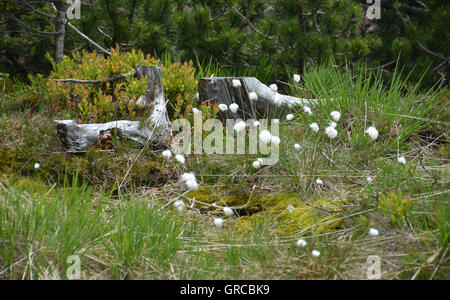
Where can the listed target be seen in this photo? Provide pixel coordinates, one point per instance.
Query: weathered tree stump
(155, 131)
(221, 90)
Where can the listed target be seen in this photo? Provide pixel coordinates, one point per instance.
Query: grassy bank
(70, 205)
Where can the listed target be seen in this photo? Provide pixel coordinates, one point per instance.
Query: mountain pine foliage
(236, 34)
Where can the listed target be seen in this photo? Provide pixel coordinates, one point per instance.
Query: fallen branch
(155, 130)
(114, 78)
(222, 91)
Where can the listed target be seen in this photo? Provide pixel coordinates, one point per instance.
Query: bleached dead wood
(269, 103)
(155, 131)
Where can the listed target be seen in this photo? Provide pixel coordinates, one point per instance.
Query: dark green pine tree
(309, 32)
(417, 33)
(143, 24)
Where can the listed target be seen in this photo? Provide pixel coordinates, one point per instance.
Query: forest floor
(58, 209)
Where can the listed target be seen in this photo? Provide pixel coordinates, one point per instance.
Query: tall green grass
(397, 108)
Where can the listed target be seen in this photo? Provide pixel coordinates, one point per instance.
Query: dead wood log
(221, 90)
(155, 131)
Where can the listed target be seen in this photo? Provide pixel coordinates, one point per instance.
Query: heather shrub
(107, 101)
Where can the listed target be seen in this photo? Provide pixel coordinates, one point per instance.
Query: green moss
(8, 160)
(33, 187)
(272, 209)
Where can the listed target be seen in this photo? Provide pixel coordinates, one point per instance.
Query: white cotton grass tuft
(180, 158)
(256, 164)
(188, 176)
(401, 160)
(179, 205)
(37, 165)
(228, 211)
(296, 78)
(236, 83)
(234, 108)
(196, 111)
(332, 124)
(190, 181)
(289, 117)
(290, 208)
(275, 140)
(265, 136)
(253, 96)
(275, 121)
(297, 146)
(331, 132)
(239, 126)
(373, 232)
(223, 107)
(319, 181)
(307, 110)
(372, 132)
(192, 185)
(273, 87)
(167, 154)
(369, 180)
(315, 253)
(260, 160)
(256, 124)
(336, 115)
(314, 127)
(219, 222)
(301, 243)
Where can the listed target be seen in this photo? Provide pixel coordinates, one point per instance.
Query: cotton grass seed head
(234, 108)
(401, 160)
(314, 127)
(167, 154)
(369, 180)
(239, 126)
(260, 160)
(179, 205)
(374, 232)
(228, 211)
(331, 132)
(192, 184)
(297, 146)
(319, 181)
(301, 243)
(256, 124)
(253, 96)
(236, 83)
(273, 87)
(296, 78)
(336, 115)
(332, 124)
(256, 164)
(315, 253)
(275, 140)
(290, 208)
(37, 166)
(188, 176)
(275, 121)
(289, 117)
(219, 222)
(196, 111)
(265, 136)
(307, 110)
(180, 158)
(372, 132)
(223, 107)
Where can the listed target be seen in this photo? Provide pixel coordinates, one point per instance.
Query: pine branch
(250, 24)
